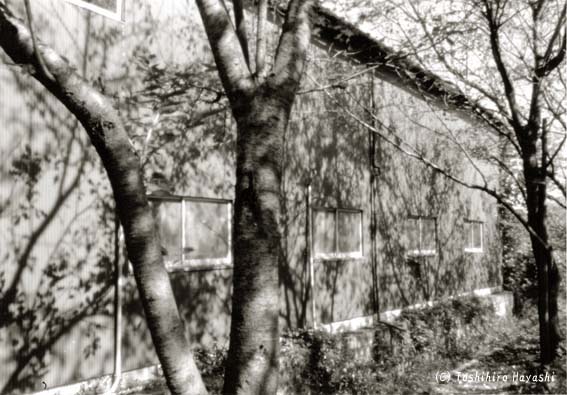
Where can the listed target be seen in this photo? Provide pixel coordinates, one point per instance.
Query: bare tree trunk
(547, 273)
(554, 281)
(252, 366)
(261, 107)
(106, 132)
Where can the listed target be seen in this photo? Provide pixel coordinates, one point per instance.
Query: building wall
(327, 148)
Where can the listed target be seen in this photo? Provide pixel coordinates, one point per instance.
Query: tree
(34, 320)
(507, 57)
(261, 102)
(106, 131)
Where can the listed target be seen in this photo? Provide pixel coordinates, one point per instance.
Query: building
(366, 228)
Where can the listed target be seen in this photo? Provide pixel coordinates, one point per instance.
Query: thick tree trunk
(261, 106)
(554, 281)
(548, 292)
(106, 132)
(547, 273)
(252, 366)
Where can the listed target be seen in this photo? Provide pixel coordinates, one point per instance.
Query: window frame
(470, 248)
(117, 13)
(337, 255)
(187, 264)
(419, 251)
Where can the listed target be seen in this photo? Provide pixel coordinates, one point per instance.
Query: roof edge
(394, 66)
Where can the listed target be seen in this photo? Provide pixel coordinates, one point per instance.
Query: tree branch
(493, 25)
(261, 38)
(556, 182)
(550, 63)
(294, 42)
(556, 200)
(108, 135)
(416, 155)
(227, 51)
(42, 68)
(241, 31)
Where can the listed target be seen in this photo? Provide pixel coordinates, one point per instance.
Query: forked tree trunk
(106, 132)
(261, 106)
(252, 366)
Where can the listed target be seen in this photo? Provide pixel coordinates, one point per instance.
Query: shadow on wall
(329, 149)
(406, 189)
(203, 299)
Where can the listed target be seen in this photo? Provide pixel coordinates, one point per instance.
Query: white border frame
(118, 14)
(474, 250)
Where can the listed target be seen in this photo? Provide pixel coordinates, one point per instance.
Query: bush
(321, 363)
(519, 270)
(448, 330)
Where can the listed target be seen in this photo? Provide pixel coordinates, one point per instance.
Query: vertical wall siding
(324, 147)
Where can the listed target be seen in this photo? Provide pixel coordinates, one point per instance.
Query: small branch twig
(41, 64)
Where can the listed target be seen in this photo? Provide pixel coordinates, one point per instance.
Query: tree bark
(261, 107)
(106, 132)
(548, 277)
(252, 366)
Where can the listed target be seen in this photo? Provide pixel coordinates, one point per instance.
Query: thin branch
(551, 158)
(261, 41)
(42, 67)
(340, 83)
(556, 182)
(441, 57)
(551, 63)
(416, 155)
(148, 138)
(556, 201)
(241, 31)
(510, 172)
(106, 131)
(493, 25)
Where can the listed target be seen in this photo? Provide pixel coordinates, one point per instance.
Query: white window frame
(116, 14)
(322, 256)
(419, 251)
(197, 263)
(470, 223)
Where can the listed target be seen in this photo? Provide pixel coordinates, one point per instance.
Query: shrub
(320, 363)
(449, 329)
(519, 270)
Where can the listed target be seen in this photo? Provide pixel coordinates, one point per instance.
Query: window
(113, 9)
(337, 233)
(473, 236)
(422, 235)
(193, 231)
